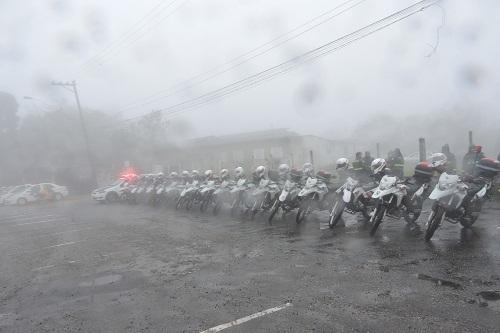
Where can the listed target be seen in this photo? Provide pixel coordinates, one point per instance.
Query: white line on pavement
(44, 267)
(52, 266)
(247, 318)
(25, 218)
(45, 221)
(63, 244)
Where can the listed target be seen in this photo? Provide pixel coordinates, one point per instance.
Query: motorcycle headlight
(443, 186)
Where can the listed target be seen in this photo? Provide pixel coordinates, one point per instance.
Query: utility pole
(72, 85)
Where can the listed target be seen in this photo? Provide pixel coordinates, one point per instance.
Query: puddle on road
(101, 281)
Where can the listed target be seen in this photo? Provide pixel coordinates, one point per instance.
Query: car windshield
(19, 189)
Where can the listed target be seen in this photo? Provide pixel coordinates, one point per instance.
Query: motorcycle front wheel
(468, 221)
(412, 213)
(274, 210)
(379, 216)
(434, 222)
(336, 213)
(302, 212)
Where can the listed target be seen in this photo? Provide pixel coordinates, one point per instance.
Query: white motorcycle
(239, 195)
(449, 195)
(188, 195)
(221, 195)
(287, 199)
(262, 197)
(388, 198)
(310, 197)
(350, 197)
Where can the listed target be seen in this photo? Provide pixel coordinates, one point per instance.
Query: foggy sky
(390, 72)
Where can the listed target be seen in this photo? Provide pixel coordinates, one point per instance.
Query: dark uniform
(396, 163)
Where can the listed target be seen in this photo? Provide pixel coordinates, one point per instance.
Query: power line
(152, 19)
(295, 62)
(221, 69)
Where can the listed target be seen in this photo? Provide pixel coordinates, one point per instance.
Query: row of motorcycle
(376, 198)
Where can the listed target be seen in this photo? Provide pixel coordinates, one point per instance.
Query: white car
(110, 193)
(23, 194)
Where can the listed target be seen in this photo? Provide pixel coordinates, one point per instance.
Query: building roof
(243, 137)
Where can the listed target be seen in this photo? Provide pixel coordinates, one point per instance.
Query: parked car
(23, 194)
(19, 195)
(110, 193)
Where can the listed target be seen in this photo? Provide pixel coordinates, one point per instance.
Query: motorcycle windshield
(387, 182)
(241, 182)
(288, 186)
(447, 182)
(350, 183)
(311, 182)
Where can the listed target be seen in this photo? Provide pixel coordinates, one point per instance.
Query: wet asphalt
(78, 266)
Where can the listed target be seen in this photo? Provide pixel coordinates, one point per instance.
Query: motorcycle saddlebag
(488, 167)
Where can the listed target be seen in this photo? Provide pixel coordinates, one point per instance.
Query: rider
(379, 169)
(195, 175)
(471, 158)
(283, 172)
(342, 168)
(186, 177)
(208, 175)
(239, 173)
(484, 173)
(224, 175)
(259, 174)
(439, 163)
(396, 162)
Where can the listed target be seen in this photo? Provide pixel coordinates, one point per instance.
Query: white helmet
(174, 174)
(260, 170)
(283, 169)
(195, 173)
(437, 160)
(239, 172)
(308, 169)
(378, 165)
(209, 173)
(342, 163)
(224, 173)
(185, 173)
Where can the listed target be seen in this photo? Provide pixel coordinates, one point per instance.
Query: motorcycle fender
(481, 193)
(419, 192)
(283, 195)
(436, 194)
(347, 196)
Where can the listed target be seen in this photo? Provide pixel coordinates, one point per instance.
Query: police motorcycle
(206, 191)
(156, 189)
(313, 193)
(460, 199)
(390, 197)
(173, 191)
(419, 185)
(261, 197)
(351, 197)
(222, 193)
(190, 192)
(134, 191)
(239, 192)
(286, 199)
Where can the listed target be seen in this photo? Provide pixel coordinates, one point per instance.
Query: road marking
(45, 221)
(27, 217)
(64, 232)
(44, 267)
(247, 318)
(52, 266)
(63, 244)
